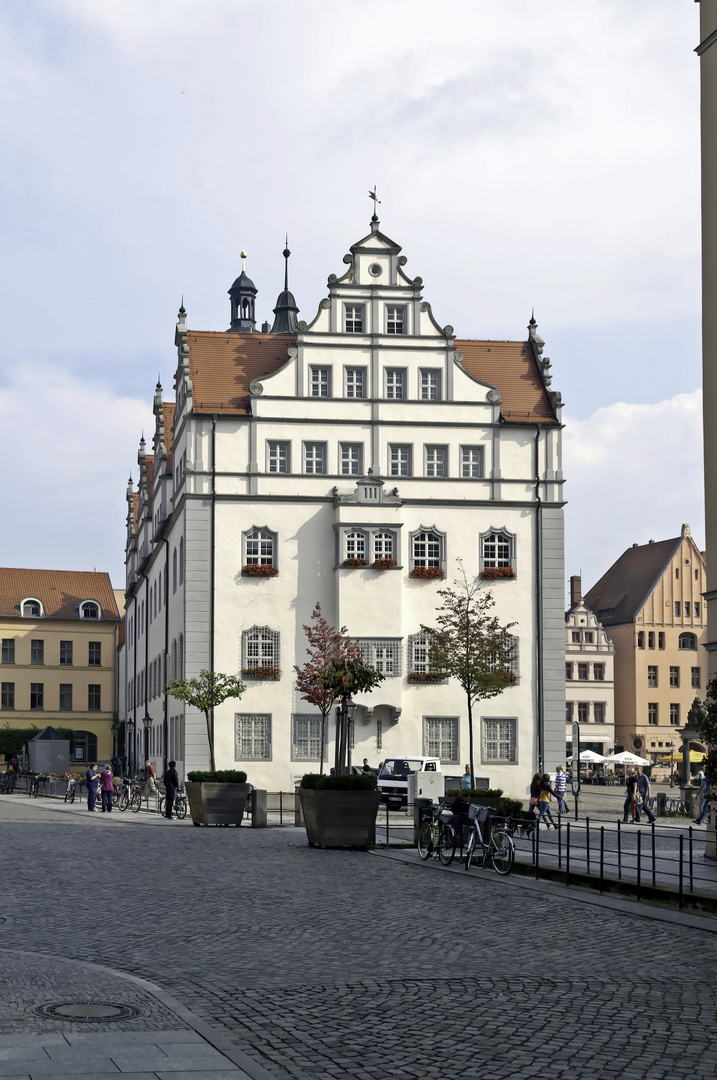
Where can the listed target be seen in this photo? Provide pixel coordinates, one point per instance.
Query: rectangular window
(583, 712)
(599, 712)
(440, 737)
(355, 382)
(8, 650)
(650, 639)
(696, 683)
(66, 653)
(37, 695)
(599, 672)
(436, 461)
(652, 713)
(569, 711)
(471, 462)
(278, 457)
(385, 655)
(641, 639)
(697, 611)
(65, 697)
(660, 640)
(315, 457)
(93, 697)
(252, 737)
(351, 459)
(354, 318)
(674, 676)
(674, 714)
(430, 386)
(37, 651)
(677, 608)
(652, 675)
(582, 671)
(687, 609)
(307, 738)
(395, 384)
(588, 637)
(395, 320)
(575, 637)
(399, 460)
(320, 382)
(95, 654)
(500, 743)
(8, 695)
(568, 671)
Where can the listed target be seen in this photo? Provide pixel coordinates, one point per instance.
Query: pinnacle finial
(532, 318)
(376, 202)
(244, 256)
(286, 253)
(181, 307)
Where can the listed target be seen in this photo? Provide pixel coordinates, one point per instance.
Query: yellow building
(58, 630)
(650, 603)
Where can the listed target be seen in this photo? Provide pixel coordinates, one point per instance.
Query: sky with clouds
(527, 155)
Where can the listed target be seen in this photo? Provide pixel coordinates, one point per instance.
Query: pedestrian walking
(150, 774)
(107, 786)
(560, 783)
(643, 789)
(628, 808)
(544, 811)
(706, 807)
(535, 793)
(92, 779)
(171, 787)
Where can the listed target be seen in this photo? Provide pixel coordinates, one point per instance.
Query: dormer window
(89, 609)
(395, 320)
(354, 319)
(31, 609)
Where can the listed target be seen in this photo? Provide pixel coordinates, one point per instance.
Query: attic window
(31, 609)
(375, 270)
(89, 610)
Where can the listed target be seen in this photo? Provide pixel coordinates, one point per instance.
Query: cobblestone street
(342, 964)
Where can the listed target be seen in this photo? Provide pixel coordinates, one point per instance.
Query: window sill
(262, 673)
(427, 573)
(259, 570)
(497, 573)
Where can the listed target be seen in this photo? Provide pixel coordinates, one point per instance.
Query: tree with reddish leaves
(329, 650)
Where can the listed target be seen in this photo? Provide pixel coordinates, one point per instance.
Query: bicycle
(71, 789)
(498, 847)
(8, 782)
(179, 807)
(437, 836)
(34, 789)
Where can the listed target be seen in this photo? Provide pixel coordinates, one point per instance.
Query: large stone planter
(340, 818)
(217, 804)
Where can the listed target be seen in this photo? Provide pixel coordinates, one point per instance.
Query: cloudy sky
(527, 154)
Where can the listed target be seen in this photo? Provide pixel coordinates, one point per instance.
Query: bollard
(661, 804)
(258, 809)
(602, 858)
(298, 815)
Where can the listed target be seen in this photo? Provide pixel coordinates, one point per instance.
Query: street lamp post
(672, 764)
(130, 729)
(147, 722)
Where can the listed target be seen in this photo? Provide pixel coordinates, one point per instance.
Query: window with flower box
(384, 654)
(260, 549)
(419, 668)
(428, 553)
(260, 653)
(374, 546)
(497, 554)
(355, 549)
(511, 668)
(252, 736)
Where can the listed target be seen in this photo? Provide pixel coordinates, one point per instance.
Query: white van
(393, 777)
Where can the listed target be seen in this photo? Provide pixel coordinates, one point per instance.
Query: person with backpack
(706, 807)
(643, 790)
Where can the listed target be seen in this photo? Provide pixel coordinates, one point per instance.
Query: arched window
(383, 545)
(31, 609)
(174, 570)
(89, 609)
(355, 545)
(497, 554)
(687, 641)
(512, 667)
(260, 548)
(181, 560)
(426, 549)
(419, 663)
(85, 746)
(260, 653)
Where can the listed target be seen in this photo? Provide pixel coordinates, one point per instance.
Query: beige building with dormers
(650, 603)
(589, 677)
(58, 631)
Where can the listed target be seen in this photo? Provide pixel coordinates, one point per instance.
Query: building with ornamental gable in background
(353, 461)
(589, 677)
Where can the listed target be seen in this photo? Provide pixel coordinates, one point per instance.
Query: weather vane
(376, 202)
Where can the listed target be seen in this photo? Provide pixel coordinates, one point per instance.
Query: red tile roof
(59, 592)
(511, 366)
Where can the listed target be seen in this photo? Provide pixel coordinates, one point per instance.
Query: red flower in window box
(426, 676)
(261, 671)
(493, 573)
(509, 677)
(354, 561)
(427, 573)
(259, 570)
(383, 564)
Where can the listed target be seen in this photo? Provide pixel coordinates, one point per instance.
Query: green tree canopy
(205, 692)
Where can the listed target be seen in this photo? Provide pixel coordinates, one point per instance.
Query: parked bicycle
(7, 783)
(437, 836)
(34, 789)
(71, 789)
(129, 795)
(180, 804)
(493, 835)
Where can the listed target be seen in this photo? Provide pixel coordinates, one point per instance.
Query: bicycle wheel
(162, 803)
(35, 790)
(123, 800)
(115, 797)
(68, 793)
(425, 839)
(180, 806)
(136, 802)
(502, 852)
(447, 841)
(470, 847)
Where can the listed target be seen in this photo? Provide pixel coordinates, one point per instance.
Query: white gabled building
(370, 434)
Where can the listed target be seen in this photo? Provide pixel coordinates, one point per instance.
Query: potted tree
(216, 797)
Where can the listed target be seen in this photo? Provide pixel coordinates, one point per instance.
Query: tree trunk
(470, 742)
(212, 764)
(323, 736)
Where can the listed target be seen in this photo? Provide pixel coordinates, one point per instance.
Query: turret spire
(286, 310)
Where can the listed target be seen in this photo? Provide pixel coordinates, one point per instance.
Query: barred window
(500, 741)
(440, 737)
(512, 667)
(252, 737)
(418, 645)
(384, 654)
(260, 649)
(306, 738)
(497, 548)
(259, 548)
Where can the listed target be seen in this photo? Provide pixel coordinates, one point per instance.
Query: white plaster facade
(589, 681)
(452, 457)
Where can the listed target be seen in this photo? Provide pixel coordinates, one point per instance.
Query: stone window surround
(266, 637)
(441, 538)
(314, 720)
(266, 719)
(486, 759)
(455, 757)
(500, 532)
(369, 530)
(273, 539)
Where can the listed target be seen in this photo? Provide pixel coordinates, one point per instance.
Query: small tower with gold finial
(243, 299)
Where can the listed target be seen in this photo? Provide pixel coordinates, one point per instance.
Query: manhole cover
(87, 1011)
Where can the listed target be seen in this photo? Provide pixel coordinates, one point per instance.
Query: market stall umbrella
(695, 755)
(590, 756)
(626, 758)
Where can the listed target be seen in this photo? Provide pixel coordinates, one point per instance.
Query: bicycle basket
(482, 813)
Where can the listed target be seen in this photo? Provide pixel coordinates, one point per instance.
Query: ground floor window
(306, 742)
(85, 746)
(440, 737)
(499, 742)
(252, 737)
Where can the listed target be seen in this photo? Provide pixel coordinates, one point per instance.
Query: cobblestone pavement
(343, 964)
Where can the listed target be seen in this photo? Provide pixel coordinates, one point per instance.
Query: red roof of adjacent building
(59, 592)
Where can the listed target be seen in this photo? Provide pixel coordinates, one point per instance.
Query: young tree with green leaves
(205, 692)
(347, 676)
(471, 645)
